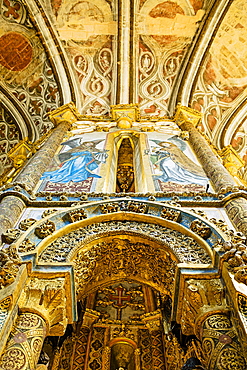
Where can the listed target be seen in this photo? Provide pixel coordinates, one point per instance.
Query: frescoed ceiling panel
(55, 51)
(165, 30)
(88, 30)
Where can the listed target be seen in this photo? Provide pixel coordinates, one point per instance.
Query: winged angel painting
(173, 169)
(78, 163)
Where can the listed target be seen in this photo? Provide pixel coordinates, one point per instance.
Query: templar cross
(120, 298)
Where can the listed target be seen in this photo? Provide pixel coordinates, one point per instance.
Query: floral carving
(45, 229)
(170, 214)
(121, 257)
(185, 248)
(25, 224)
(198, 227)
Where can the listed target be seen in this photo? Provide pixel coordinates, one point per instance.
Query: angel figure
(78, 163)
(175, 166)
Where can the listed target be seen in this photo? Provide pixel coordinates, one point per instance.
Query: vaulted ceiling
(102, 52)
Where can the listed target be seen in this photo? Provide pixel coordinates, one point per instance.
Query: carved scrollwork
(45, 229)
(198, 227)
(221, 346)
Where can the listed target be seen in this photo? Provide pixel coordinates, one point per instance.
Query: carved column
(30, 175)
(11, 206)
(25, 343)
(80, 347)
(153, 323)
(220, 344)
(10, 210)
(187, 119)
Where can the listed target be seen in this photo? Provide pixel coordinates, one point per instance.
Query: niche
(122, 356)
(125, 182)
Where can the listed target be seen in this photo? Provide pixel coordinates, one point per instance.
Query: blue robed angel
(78, 163)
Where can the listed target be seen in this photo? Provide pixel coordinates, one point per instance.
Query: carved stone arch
(123, 257)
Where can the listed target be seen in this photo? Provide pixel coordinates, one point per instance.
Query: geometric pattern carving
(25, 343)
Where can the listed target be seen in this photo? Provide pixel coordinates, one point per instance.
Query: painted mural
(174, 168)
(222, 81)
(77, 165)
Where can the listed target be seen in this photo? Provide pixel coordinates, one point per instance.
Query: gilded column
(12, 206)
(187, 119)
(153, 322)
(31, 174)
(221, 179)
(24, 344)
(220, 344)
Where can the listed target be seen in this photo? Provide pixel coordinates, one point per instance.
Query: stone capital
(67, 112)
(185, 114)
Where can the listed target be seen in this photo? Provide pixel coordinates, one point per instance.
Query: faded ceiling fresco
(60, 51)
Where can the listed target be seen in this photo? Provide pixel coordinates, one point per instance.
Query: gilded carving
(125, 259)
(199, 295)
(11, 235)
(185, 248)
(170, 214)
(124, 206)
(45, 229)
(9, 266)
(48, 297)
(198, 227)
(26, 246)
(152, 320)
(221, 345)
(25, 224)
(76, 215)
(24, 344)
